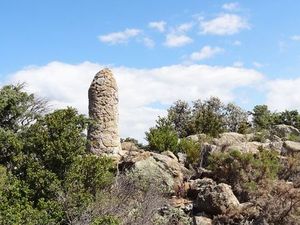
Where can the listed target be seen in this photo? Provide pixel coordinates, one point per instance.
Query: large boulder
(285, 131)
(162, 169)
(129, 146)
(230, 138)
(291, 147)
(201, 220)
(213, 198)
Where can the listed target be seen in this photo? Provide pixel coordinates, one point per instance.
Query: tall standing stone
(103, 133)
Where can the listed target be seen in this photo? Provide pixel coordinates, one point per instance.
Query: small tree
(289, 117)
(57, 139)
(18, 108)
(180, 114)
(262, 117)
(235, 118)
(163, 136)
(208, 116)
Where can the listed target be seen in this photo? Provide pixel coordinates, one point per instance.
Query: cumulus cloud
(174, 40)
(158, 25)
(283, 94)
(225, 24)
(295, 37)
(258, 65)
(119, 37)
(184, 27)
(140, 90)
(205, 53)
(148, 42)
(231, 6)
(238, 64)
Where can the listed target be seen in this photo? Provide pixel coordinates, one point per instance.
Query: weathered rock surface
(291, 147)
(201, 220)
(103, 133)
(128, 146)
(163, 169)
(284, 131)
(230, 138)
(213, 198)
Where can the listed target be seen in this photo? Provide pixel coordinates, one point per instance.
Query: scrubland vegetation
(48, 177)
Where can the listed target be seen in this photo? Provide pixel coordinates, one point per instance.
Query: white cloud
(139, 89)
(296, 38)
(226, 24)
(283, 94)
(158, 25)
(257, 65)
(119, 37)
(177, 40)
(148, 42)
(238, 64)
(184, 27)
(231, 6)
(205, 53)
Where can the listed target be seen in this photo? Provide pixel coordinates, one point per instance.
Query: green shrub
(191, 148)
(293, 137)
(87, 176)
(244, 171)
(106, 220)
(162, 137)
(261, 136)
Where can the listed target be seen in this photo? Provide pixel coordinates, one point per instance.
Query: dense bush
(191, 148)
(45, 175)
(105, 220)
(244, 171)
(180, 115)
(18, 108)
(209, 116)
(162, 137)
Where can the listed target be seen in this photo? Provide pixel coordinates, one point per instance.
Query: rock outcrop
(291, 147)
(201, 220)
(103, 133)
(213, 198)
(162, 169)
(284, 131)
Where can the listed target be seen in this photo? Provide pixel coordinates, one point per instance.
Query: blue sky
(37, 32)
(142, 40)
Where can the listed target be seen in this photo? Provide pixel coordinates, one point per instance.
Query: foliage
(87, 176)
(191, 148)
(261, 136)
(279, 203)
(209, 116)
(180, 115)
(42, 161)
(262, 117)
(106, 220)
(17, 108)
(293, 137)
(16, 208)
(129, 201)
(244, 171)
(288, 117)
(56, 139)
(290, 170)
(235, 118)
(163, 136)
